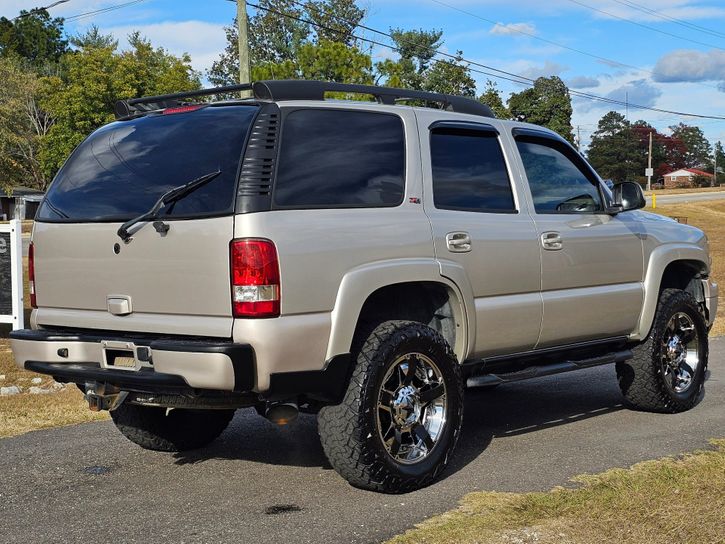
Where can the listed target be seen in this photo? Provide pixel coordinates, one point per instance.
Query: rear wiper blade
(170, 196)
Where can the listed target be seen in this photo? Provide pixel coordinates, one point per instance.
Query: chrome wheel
(680, 352)
(411, 408)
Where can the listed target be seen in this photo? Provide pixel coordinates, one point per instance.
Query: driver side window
(557, 184)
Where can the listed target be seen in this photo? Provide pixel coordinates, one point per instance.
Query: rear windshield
(122, 169)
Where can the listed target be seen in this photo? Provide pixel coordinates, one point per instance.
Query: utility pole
(578, 138)
(243, 32)
(714, 179)
(649, 164)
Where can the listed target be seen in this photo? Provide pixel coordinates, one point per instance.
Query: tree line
(57, 89)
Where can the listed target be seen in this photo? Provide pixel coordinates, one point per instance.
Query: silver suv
(362, 260)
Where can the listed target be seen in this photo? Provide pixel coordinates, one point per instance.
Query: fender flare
(660, 258)
(361, 282)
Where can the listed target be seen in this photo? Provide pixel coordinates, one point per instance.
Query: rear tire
(667, 372)
(395, 430)
(163, 429)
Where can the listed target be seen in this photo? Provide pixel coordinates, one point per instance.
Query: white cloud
(691, 65)
(548, 69)
(518, 29)
(203, 41)
(582, 82)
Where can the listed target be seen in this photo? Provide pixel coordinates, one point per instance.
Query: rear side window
(469, 172)
(340, 159)
(122, 169)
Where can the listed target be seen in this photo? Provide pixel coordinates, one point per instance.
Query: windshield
(122, 169)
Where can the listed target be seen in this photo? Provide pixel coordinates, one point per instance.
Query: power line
(36, 10)
(605, 60)
(686, 24)
(102, 10)
(650, 28)
(519, 79)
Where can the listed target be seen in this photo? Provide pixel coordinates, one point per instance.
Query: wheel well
(684, 275)
(434, 304)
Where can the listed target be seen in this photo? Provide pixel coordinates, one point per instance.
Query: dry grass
(28, 412)
(710, 217)
(665, 501)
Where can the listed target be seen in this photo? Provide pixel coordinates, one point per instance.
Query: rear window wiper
(170, 196)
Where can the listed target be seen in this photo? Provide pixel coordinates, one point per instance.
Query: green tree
(93, 38)
(23, 125)
(450, 77)
(278, 30)
(698, 152)
(34, 36)
(720, 157)
(335, 20)
(492, 98)
(416, 49)
(93, 78)
(328, 61)
(613, 150)
(547, 103)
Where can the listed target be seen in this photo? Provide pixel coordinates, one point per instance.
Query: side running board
(547, 370)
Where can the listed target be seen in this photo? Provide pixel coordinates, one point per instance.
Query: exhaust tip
(282, 413)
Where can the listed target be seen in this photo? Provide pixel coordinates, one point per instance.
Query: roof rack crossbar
(278, 90)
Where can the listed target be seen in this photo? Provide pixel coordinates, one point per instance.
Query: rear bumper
(168, 364)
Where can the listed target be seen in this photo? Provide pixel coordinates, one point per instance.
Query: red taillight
(181, 109)
(255, 278)
(31, 275)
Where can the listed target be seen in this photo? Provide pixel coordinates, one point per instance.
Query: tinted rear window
(469, 172)
(335, 158)
(121, 170)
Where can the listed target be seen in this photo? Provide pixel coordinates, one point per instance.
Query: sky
(665, 54)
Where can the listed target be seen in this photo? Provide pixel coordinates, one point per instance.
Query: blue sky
(644, 55)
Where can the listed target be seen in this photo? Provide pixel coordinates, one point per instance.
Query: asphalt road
(261, 483)
(686, 197)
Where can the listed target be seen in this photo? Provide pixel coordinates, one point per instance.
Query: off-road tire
(348, 431)
(641, 378)
(163, 429)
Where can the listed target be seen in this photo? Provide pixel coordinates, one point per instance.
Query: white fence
(11, 274)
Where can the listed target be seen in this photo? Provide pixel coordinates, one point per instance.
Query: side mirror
(629, 195)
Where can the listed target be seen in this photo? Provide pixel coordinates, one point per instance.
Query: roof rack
(304, 90)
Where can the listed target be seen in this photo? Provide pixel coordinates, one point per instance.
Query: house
(22, 201)
(684, 177)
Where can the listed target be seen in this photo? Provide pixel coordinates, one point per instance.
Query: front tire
(667, 372)
(401, 416)
(164, 429)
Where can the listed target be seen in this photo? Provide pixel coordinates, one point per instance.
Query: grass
(665, 501)
(710, 217)
(29, 412)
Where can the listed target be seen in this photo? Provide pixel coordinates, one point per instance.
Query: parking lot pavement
(261, 483)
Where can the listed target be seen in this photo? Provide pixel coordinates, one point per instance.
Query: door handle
(551, 240)
(458, 242)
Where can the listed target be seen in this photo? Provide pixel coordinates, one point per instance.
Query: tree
(720, 157)
(34, 36)
(93, 78)
(492, 98)
(93, 38)
(698, 152)
(328, 61)
(547, 103)
(612, 151)
(450, 77)
(416, 49)
(23, 125)
(280, 28)
(335, 20)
